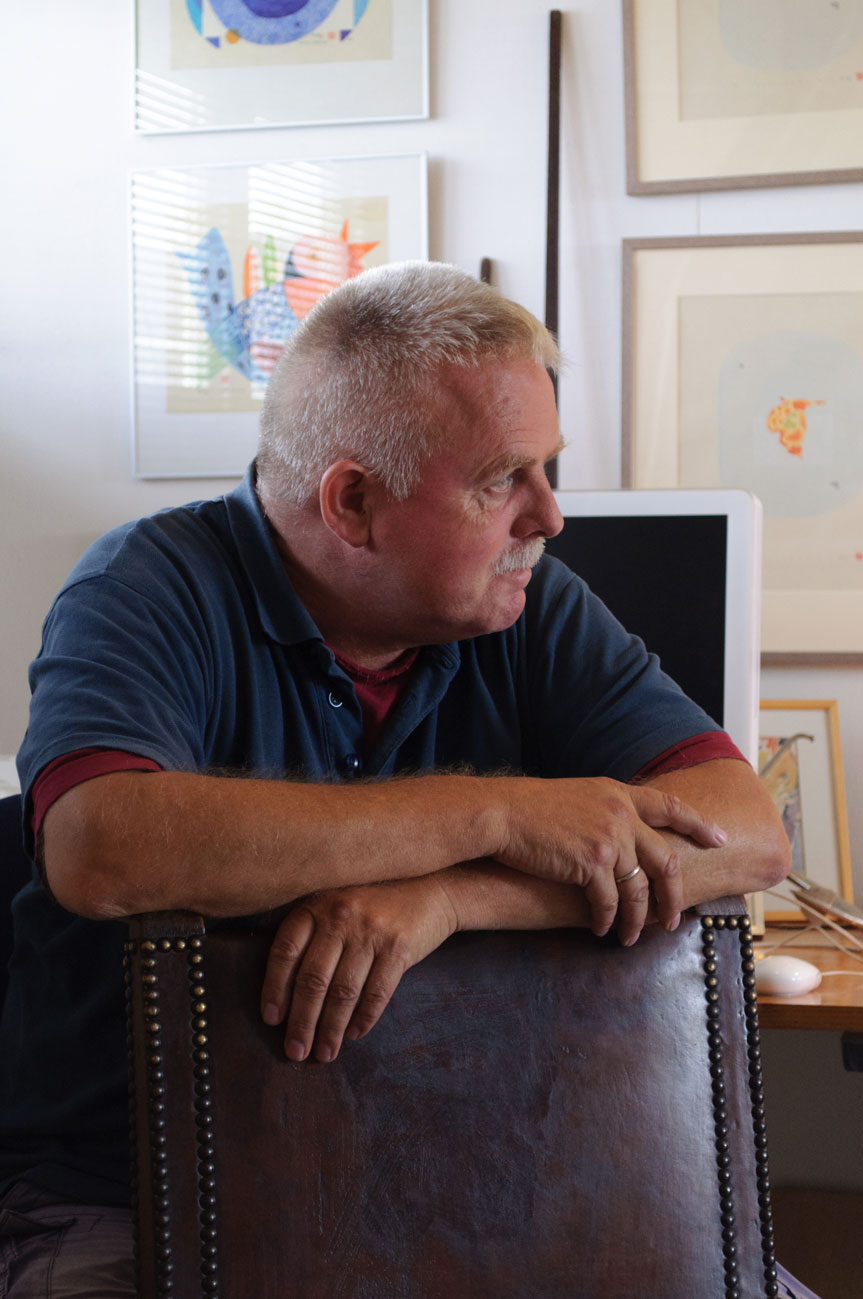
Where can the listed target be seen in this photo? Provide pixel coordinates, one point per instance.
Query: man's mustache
(526, 554)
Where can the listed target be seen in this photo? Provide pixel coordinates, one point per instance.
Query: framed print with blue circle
(204, 65)
(227, 260)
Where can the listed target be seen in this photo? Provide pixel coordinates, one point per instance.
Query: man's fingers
(355, 1002)
(338, 1005)
(634, 894)
(310, 989)
(288, 948)
(661, 863)
(661, 810)
(601, 894)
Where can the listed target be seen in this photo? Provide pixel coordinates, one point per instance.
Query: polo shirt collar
(283, 616)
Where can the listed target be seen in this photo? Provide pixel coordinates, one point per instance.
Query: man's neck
(336, 615)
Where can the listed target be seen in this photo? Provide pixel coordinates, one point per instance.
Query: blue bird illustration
(249, 334)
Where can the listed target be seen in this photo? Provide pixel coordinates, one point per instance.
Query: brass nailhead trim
(709, 925)
(207, 1179)
(756, 1093)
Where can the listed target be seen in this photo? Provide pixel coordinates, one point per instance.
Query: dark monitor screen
(664, 577)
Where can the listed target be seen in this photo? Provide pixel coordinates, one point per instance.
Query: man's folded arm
(133, 841)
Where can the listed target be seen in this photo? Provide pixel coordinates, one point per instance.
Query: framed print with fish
(206, 65)
(800, 761)
(733, 94)
(226, 261)
(743, 367)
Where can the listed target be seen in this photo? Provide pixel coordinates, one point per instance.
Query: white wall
(64, 345)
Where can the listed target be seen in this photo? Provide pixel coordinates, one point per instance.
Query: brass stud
(148, 946)
(732, 922)
(199, 1007)
(707, 922)
(180, 945)
(196, 958)
(720, 922)
(197, 942)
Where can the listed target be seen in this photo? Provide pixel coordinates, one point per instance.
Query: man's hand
(338, 956)
(594, 833)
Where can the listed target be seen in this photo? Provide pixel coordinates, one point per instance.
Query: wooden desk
(837, 1004)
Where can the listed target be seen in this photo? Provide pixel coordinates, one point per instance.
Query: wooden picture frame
(723, 339)
(714, 105)
(800, 757)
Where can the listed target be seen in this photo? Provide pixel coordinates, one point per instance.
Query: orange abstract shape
(788, 421)
(321, 262)
(232, 36)
(251, 273)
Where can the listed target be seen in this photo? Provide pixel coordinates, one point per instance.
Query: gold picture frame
(718, 101)
(800, 757)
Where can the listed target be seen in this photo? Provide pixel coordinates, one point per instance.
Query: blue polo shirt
(179, 638)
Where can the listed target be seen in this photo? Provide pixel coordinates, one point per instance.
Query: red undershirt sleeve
(690, 753)
(74, 768)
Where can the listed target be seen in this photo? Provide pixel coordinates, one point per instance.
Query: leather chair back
(536, 1115)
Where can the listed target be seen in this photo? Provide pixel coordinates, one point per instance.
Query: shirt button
(333, 700)
(352, 764)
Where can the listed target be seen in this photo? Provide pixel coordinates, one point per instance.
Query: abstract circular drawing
(789, 414)
(272, 22)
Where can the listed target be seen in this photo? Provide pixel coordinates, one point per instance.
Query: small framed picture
(208, 65)
(743, 367)
(734, 94)
(800, 762)
(227, 260)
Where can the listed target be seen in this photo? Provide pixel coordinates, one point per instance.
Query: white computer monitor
(681, 569)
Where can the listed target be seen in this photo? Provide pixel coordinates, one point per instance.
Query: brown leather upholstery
(537, 1116)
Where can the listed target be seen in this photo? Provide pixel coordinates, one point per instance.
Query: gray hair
(357, 377)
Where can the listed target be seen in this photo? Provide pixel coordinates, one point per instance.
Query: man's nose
(543, 515)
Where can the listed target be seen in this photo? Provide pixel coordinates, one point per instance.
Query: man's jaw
(526, 554)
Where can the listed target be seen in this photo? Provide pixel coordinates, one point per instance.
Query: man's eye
(502, 484)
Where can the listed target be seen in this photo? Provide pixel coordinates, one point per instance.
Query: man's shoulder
(143, 551)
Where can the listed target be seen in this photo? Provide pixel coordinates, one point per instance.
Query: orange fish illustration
(317, 264)
(788, 420)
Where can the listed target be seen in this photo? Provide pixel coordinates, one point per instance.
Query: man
(214, 679)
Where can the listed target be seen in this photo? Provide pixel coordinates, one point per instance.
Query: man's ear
(344, 497)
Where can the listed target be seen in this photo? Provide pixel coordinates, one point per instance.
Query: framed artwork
(743, 367)
(206, 65)
(735, 94)
(800, 761)
(226, 261)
